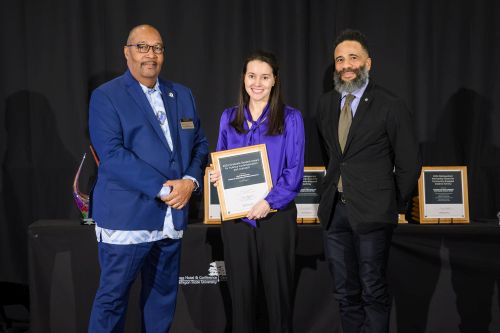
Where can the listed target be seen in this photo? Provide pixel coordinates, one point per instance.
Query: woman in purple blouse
(264, 242)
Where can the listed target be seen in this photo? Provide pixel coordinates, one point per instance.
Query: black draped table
(443, 278)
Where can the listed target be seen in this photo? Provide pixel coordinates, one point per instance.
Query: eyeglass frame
(139, 45)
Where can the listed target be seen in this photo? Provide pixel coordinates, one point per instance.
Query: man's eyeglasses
(144, 48)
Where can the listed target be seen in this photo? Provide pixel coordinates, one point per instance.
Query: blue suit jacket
(135, 159)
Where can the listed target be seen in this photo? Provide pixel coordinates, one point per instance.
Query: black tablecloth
(443, 278)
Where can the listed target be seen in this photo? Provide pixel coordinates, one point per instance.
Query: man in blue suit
(152, 152)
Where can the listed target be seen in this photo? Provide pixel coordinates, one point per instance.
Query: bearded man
(373, 166)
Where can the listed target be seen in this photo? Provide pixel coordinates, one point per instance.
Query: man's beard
(353, 85)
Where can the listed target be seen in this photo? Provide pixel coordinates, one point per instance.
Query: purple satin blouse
(285, 151)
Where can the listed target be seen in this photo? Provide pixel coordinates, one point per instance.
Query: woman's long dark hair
(276, 113)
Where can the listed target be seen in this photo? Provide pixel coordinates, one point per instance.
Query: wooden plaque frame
(425, 216)
(217, 156)
(311, 169)
(209, 214)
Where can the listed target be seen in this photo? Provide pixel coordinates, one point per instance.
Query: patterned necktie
(160, 114)
(159, 111)
(345, 121)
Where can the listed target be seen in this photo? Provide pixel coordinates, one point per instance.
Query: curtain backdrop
(441, 57)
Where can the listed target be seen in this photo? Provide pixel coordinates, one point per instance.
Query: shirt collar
(357, 93)
(248, 115)
(151, 90)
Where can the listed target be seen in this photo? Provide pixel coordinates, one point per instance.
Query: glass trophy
(81, 199)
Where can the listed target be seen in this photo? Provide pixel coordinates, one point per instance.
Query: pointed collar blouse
(285, 151)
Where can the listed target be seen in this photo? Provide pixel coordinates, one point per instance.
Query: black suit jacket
(380, 164)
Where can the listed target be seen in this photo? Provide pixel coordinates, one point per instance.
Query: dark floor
(14, 307)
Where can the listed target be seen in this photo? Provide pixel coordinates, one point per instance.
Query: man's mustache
(349, 69)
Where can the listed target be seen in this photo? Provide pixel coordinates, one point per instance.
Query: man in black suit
(373, 166)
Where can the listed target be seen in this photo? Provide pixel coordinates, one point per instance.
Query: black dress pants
(358, 262)
(268, 250)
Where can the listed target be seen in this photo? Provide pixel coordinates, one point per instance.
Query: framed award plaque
(443, 195)
(211, 200)
(245, 179)
(307, 201)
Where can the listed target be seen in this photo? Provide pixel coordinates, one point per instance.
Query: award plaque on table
(307, 201)
(245, 179)
(443, 195)
(212, 207)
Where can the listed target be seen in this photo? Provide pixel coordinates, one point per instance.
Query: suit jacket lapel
(134, 89)
(333, 119)
(365, 101)
(170, 101)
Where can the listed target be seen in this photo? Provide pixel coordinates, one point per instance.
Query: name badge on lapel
(187, 123)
